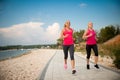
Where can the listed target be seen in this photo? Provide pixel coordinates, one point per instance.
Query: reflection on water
(12, 53)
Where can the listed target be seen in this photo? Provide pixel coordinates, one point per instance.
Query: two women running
(68, 44)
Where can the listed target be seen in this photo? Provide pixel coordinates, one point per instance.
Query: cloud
(29, 33)
(83, 4)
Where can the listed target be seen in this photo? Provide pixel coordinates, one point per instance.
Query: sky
(32, 22)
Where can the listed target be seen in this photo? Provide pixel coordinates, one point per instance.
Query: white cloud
(29, 33)
(83, 4)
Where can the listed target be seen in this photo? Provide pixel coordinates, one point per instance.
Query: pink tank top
(69, 39)
(91, 40)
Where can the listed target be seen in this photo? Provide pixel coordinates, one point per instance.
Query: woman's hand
(84, 37)
(62, 37)
(96, 38)
(66, 36)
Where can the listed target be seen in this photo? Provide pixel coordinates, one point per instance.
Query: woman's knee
(88, 57)
(96, 54)
(65, 57)
(72, 57)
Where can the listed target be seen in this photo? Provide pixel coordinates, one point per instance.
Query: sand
(26, 67)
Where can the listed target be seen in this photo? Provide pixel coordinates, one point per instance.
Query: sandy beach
(26, 67)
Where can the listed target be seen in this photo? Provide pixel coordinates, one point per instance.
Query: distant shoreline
(8, 50)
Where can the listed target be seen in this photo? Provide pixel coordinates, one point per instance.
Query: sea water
(12, 53)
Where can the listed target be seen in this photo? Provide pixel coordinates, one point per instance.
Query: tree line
(103, 35)
(27, 46)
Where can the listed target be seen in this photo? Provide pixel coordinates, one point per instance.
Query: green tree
(78, 36)
(59, 41)
(117, 29)
(108, 32)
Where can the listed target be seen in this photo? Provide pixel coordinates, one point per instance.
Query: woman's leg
(95, 49)
(71, 50)
(88, 50)
(65, 50)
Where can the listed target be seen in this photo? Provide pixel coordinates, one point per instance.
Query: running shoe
(65, 66)
(88, 66)
(96, 66)
(74, 71)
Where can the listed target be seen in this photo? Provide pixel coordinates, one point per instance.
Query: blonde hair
(67, 22)
(89, 23)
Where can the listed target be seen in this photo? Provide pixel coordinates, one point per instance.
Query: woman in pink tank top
(69, 39)
(68, 45)
(90, 37)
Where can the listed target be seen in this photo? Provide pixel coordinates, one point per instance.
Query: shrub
(116, 52)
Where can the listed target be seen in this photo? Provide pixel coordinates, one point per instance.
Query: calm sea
(12, 53)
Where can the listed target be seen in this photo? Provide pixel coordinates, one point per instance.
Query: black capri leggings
(69, 48)
(88, 49)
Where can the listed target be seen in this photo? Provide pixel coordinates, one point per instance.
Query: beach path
(55, 71)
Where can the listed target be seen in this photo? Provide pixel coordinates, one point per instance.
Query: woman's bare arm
(85, 36)
(63, 36)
